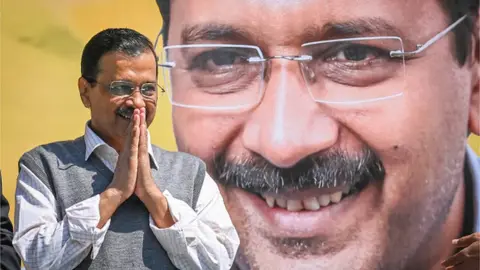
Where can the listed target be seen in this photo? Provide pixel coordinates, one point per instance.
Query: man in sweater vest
(110, 199)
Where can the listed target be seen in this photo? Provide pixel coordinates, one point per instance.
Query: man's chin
(270, 260)
(290, 233)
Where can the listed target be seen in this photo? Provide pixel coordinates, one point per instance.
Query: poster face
(321, 124)
(329, 152)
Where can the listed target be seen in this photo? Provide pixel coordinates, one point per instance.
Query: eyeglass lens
(123, 88)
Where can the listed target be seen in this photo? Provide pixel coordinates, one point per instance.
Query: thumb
(466, 240)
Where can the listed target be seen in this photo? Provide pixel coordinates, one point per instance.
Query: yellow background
(41, 45)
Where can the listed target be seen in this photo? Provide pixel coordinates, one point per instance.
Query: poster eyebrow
(373, 26)
(213, 32)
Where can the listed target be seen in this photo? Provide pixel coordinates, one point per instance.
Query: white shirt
(473, 163)
(201, 238)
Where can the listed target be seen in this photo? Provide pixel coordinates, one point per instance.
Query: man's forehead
(281, 7)
(282, 19)
(114, 64)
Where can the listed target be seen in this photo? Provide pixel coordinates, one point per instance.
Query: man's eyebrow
(332, 30)
(360, 27)
(213, 32)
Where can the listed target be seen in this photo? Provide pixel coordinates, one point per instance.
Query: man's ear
(84, 88)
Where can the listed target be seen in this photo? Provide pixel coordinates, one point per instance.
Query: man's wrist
(157, 205)
(116, 193)
(110, 200)
(114, 196)
(153, 197)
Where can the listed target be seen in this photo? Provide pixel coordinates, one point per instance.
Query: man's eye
(354, 53)
(149, 89)
(121, 89)
(224, 58)
(219, 58)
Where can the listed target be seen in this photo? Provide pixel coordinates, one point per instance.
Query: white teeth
(311, 204)
(324, 200)
(270, 201)
(294, 205)
(282, 203)
(336, 197)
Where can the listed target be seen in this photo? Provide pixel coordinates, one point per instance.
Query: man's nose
(136, 100)
(288, 125)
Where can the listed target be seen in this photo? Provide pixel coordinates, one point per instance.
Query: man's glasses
(340, 71)
(127, 88)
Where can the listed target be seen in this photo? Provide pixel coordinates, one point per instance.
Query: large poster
(41, 46)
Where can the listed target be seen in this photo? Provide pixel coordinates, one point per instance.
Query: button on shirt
(45, 242)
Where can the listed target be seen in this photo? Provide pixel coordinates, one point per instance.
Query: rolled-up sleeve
(44, 241)
(201, 238)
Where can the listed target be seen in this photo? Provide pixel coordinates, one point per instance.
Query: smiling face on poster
(320, 122)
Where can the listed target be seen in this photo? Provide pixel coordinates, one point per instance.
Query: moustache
(326, 170)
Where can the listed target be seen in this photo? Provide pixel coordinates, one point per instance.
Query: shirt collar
(473, 164)
(93, 141)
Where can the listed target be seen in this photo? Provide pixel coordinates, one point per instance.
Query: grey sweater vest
(129, 242)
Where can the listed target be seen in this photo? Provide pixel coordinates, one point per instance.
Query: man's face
(384, 173)
(110, 114)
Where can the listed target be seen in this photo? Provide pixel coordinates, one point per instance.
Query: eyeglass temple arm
(422, 47)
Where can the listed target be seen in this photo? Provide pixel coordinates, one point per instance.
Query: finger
(466, 240)
(473, 251)
(143, 123)
(471, 258)
(132, 155)
(144, 157)
(135, 135)
(128, 131)
(470, 265)
(143, 144)
(455, 259)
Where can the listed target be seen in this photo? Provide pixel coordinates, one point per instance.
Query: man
(110, 199)
(336, 129)
(9, 259)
